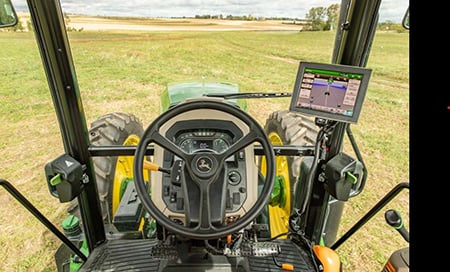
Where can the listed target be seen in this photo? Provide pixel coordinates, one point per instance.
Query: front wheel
(286, 128)
(113, 173)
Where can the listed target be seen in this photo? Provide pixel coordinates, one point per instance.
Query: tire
(287, 128)
(113, 129)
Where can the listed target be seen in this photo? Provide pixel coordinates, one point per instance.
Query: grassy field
(120, 71)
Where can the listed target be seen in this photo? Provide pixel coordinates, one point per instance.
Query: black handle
(394, 219)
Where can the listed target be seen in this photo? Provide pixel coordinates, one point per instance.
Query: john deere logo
(204, 164)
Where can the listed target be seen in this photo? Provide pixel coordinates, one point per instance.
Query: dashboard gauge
(220, 145)
(187, 146)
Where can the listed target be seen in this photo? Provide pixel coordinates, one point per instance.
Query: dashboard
(191, 141)
(204, 131)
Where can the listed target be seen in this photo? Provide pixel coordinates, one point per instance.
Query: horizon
(390, 10)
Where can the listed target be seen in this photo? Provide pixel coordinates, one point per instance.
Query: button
(173, 197)
(234, 177)
(166, 190)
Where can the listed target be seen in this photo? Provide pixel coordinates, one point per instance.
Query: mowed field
(126, 68)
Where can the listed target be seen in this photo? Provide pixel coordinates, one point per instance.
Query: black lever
(394, 219)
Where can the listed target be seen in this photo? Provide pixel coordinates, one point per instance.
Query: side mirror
(405, 21)
(8, 16)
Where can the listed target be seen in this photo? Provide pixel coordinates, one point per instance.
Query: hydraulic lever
(394, 219)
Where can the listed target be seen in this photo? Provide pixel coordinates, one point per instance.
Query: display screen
(330, 91)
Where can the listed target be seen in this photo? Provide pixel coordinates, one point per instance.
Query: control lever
(153, 167)
(394, 219)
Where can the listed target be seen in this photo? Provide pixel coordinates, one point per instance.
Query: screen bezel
(365, 72)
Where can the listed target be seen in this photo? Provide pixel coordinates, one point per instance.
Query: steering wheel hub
(204, 165)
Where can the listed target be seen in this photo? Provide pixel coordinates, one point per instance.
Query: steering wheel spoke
(162, 141)
(205, 199)
(205, 213)
(243, 142)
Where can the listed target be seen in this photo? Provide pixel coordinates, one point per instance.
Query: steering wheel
(204, 169)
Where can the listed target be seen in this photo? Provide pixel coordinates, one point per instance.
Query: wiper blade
(248, 95)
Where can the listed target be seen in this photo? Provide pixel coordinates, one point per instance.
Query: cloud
(392, 10)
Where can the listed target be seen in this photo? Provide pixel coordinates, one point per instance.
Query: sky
(392, 10)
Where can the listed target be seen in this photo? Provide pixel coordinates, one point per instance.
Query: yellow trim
(141, 225)
(124, 169)
(279, 216)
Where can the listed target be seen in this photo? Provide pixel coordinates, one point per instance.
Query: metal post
(56, 56)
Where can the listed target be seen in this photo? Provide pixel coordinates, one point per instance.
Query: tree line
(316, 19)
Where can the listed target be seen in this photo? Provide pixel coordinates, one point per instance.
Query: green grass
(120, 71)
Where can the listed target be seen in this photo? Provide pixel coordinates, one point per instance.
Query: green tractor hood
(176, 93)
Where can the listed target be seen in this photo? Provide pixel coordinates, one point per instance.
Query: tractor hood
(176, 93)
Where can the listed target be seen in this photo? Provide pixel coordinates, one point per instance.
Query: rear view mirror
(405, 21)
(8, 16)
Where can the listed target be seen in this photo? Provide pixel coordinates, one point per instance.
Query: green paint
(176, 93)
(55, 180)
(278, 196)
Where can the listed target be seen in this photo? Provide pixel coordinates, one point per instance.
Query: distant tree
(322, 18)
(317, 17)
(204, 16)
(391, 26)
(333, 15)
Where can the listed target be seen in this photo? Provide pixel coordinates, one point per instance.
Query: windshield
(125, 63)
